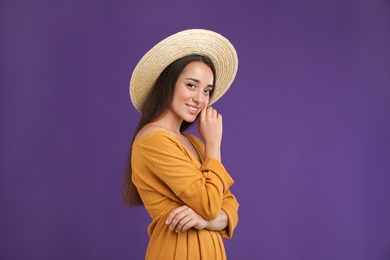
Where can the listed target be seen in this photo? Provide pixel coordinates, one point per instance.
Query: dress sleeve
(201, 189)
(230, 206)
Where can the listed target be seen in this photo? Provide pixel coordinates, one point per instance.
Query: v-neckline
(190, 138)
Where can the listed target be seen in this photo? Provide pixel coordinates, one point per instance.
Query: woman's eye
(191, 85)
(207, 91)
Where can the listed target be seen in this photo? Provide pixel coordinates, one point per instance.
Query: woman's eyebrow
(198, 81)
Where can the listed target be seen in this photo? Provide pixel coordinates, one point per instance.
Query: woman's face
(192, 91)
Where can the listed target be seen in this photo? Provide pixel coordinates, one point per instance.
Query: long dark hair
(158, 101)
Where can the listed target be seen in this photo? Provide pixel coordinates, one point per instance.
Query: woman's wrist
(219, 223)
(213, 151)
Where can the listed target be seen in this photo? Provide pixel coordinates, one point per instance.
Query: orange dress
(167, 176)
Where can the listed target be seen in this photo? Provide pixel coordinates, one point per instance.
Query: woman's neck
(169, 122)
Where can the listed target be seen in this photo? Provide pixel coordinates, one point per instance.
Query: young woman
(181, 181)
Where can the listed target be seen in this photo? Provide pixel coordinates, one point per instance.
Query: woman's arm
(167, 165)
(219, 223)
(210, 129)
(184, 218)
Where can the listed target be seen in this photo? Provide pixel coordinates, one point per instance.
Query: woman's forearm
(213, 151)
(219, 223)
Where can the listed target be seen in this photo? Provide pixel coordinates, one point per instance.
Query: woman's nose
(198, 97)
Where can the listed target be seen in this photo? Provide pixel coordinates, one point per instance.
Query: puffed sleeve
(202, 189)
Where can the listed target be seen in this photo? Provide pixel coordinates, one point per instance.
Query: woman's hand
(184, 218)
(210, 129)
(210, 125)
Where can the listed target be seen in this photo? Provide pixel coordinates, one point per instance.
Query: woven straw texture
(194, 41)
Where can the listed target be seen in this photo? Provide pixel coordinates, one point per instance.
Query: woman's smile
(192, 89)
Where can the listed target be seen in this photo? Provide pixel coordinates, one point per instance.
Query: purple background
(306, 125)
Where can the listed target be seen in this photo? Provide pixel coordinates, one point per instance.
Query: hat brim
(194, 41)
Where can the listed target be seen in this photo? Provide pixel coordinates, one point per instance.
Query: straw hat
(194, 41)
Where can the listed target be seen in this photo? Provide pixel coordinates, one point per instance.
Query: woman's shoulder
(150, 130)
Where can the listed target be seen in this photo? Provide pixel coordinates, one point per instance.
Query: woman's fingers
(174, 213)
(203, 113)
(210, 126)
(177, 218)
(182, 219)
(214, 113)
(210, 113)
(183, 225)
